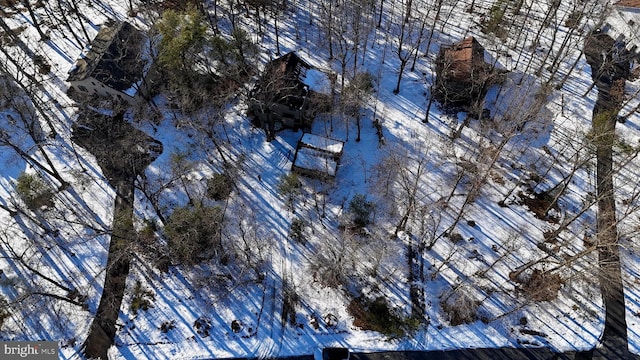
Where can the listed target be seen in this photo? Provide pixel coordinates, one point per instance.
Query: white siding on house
(624, 23)
(95, 87)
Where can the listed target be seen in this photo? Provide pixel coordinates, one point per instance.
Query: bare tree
(356, 95)
(34, 19)
(28, 121)
(411, 33)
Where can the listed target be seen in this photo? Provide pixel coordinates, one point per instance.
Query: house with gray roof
(114, 64)
(623, 25)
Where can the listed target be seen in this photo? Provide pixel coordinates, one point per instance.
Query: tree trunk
(415, 280)
(615, 327)
(603, 124)
(403, 64)
(66, 23)
(103, 327)
(131, 12)
(79, 16)
(275, 25)
(121, 175)
(32, 15)
(426, 115)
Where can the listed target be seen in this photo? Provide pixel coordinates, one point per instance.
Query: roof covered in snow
(315, 162)
(318, 81)
(321, 143)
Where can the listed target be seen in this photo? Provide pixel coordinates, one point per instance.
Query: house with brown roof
(113, 64)
(280, 97)
(461, 73)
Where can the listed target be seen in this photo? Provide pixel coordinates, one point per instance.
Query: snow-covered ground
(487, 166)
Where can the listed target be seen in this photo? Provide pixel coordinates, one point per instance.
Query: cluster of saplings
(194, 231)
(330, 269)
(34, 191)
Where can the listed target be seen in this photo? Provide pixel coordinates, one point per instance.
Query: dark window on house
(82, 88)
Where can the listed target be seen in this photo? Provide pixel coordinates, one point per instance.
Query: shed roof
(463, 49)
(315, 161)
(461, 73)
(114, 57)
(322, 143)
(461, 58)
(628, 3)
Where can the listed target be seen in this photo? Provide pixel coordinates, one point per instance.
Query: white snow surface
(494, 240)
(315, 161)
(322, 143)
(318, 81)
